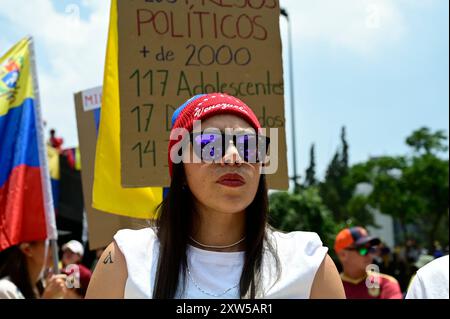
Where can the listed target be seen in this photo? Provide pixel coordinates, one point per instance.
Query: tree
(359, 211)
(328, 189)
(423, 141)
(334, 190)
(414, 189)
(344, 156)
(303, 211)
(427, 178)
(391, 194)
(311, 170)
(361, 205)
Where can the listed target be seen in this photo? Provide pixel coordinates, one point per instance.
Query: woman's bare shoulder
(327, 282)
(110, 275)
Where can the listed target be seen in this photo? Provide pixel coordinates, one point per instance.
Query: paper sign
(92, 99)
(170, 50)
(101, 226)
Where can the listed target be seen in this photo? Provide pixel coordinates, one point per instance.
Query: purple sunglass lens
(209, 145)
(204, 139)
(242, 139)
(247, 146)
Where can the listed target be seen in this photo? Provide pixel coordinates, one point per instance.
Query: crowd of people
(212, 238)
(369, 269)
(27, 271)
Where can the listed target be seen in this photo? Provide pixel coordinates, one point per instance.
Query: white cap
(75, 246)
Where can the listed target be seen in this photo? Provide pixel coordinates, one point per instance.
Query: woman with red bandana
(212, 238)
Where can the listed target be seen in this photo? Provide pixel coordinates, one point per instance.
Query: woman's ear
(26, 249)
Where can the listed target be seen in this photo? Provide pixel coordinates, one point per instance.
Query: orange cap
(354, 236)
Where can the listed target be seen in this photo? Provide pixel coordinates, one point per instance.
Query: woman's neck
(34, 271)
(212, 228)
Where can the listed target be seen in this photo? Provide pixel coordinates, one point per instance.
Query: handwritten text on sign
(170, 50)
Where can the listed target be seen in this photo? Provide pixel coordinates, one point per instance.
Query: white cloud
(73, 51)
(360, 26)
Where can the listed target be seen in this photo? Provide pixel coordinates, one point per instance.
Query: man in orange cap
(354, 248)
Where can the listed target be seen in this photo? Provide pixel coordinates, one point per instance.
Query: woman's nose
(231, 156)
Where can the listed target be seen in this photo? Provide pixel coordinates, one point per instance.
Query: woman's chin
(228, 206)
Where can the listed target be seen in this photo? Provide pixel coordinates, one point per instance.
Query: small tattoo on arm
(108, 259)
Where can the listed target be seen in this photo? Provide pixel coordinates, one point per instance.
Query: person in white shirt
(212, 238)
(431, 281)
(22, 266)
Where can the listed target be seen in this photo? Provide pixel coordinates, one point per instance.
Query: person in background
(423, 260)
(412, 251)
(362, 280)
(21, 268)
(400, 267)
(383, 259)
(431, 281)
(438, 251)
(79, 279)
(73, 252)
(54, 141)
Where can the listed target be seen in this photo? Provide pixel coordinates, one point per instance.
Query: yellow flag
(53, 162)
(108, 193)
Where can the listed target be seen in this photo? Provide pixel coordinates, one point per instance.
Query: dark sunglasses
(363, 251)
(211, 147)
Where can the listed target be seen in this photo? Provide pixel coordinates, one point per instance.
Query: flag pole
(52, 233)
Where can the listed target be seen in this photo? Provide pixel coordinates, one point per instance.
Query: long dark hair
(174, 222)
(13, 264)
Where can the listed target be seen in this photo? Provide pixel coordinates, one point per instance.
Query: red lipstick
(231, 180)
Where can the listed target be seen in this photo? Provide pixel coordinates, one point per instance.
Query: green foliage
(334, 191)
(418, 192)
(423, 140)
(310, 179)
(359, 212)
(427, 179)
(303, 211)
(389, 193)
(344, 157)
(411, 189)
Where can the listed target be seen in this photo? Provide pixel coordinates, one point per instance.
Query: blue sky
(379, 67)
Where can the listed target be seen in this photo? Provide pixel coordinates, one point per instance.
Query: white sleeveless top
(8, 290)
(212, 273)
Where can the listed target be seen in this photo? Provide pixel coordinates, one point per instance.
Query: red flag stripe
(22, 215)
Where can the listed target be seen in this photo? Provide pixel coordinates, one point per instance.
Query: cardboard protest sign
(101, 226)
(170, 50)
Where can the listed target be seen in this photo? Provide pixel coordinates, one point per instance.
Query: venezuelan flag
(108, 193)
(22, 204)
